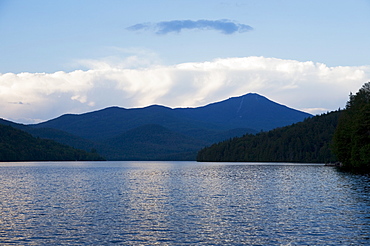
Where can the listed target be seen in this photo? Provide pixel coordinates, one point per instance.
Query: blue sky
(76, 56)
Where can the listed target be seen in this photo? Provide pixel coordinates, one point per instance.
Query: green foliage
(17, 145)
(308, 141)
(352, 138)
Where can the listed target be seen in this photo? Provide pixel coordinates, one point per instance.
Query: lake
(182, 203)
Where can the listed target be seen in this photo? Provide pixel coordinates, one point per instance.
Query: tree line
(340, 136)
(308, 141)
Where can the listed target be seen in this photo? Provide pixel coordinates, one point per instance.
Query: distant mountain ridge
(249, 111)
(119, 133)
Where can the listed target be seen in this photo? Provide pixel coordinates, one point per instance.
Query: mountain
(115, 132)
(249, 111)
(309, 141)
(17, 145)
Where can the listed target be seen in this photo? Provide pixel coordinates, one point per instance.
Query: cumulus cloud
(164, 27)
(309, 86)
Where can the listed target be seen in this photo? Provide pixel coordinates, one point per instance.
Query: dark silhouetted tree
(352, 137)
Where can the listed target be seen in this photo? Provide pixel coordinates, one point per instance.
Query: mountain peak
(181, 130)
(247, 111)
(253, 110)
(251, 96)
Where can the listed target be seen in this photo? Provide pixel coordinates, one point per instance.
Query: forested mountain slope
(169, 134)
(152, 142)
(308, 141)
(251, 111)
(17, 145)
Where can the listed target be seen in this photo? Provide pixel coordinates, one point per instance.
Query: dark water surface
(182, 203)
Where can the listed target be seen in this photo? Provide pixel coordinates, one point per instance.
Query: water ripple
(169, 203)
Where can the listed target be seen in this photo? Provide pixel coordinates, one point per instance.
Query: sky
(77, 56)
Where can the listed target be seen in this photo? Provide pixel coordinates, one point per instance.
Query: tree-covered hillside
(249, 111)
(161, 133)
(17, 145)
(308, 141)
(352, 136)
(152, 142)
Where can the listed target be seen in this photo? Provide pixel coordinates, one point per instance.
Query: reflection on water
(177, 203)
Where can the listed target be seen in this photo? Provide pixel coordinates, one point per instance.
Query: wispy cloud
(311, 86)
(164, 27)
(20, 103)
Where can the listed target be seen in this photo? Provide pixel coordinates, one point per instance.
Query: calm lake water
(182, 203)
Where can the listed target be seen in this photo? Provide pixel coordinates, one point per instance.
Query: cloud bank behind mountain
(312, 87)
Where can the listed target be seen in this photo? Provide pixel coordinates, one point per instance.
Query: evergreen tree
(352, 136)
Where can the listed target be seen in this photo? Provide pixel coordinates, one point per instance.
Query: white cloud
(313, 87)
(123, 58)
